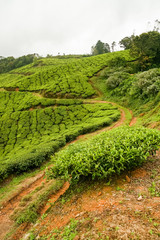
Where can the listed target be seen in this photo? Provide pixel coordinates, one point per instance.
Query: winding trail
(29, 185)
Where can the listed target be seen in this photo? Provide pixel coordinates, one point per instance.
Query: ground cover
(33, 128)
(118, 203)
(59, 78)
(106, 154)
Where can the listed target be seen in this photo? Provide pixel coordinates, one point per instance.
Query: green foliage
(70, 231)
(100, 48)
(154, 190)
(117, 62)
(135, 90)
(58, 78)
(9, 63)
(126, 42)
(106, 154)
(116, 79)
(30, 214)
(28, 138)
(147, 84)
(146, 47)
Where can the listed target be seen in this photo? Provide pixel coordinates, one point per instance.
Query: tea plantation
(32, 127)
(67, 78)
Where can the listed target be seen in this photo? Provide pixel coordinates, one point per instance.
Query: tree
(146, 47)
(113, 46)
(100, 48)
(156, 25)
(126, 42)
(10, 63)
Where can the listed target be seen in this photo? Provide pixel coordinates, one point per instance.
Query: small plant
(116, 228)
(154, 173)
(155, 224)
(153, 190)
(44, 216)
(70, 230)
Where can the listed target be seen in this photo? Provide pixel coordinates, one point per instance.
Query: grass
(30, 212)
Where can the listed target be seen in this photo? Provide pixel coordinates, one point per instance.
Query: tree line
(145, 48)
(10, 63)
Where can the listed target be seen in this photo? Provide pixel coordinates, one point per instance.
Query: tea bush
(29, 137)
(106, 154)
(65, 78)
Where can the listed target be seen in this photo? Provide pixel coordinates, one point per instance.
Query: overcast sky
(70, 26)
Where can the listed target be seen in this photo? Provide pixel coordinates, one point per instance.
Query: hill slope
(33, 127)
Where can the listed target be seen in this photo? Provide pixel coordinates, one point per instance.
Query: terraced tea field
(67, 78)
(33, 127)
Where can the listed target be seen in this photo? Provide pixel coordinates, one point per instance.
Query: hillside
(73, 116)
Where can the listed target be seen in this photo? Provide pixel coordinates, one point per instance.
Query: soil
(123, 209)
(9, 206)
(133, 120)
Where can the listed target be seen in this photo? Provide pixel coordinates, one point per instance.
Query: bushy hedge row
(18, 101)
(108, 153)
(28, 137)
(59, 78)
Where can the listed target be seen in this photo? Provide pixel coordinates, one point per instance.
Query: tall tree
(146, 44)
(100, 48)
(146, 47)
(113, 46)
(126, 42)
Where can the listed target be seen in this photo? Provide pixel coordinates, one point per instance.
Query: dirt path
(9, 206)
(134, 119)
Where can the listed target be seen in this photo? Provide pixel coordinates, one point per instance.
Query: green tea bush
(106, 154)
(60, 78)
(28, 138)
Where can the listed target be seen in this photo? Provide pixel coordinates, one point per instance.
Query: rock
(79, 214)
(140, 198)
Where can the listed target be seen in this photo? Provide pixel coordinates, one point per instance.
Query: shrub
(108, 153)
(115, 79)
(147, 84)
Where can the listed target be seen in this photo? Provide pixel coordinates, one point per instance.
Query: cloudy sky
(70, 26)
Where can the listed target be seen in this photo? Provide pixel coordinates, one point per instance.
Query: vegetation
(62, 78)
(106, 154)
(146, 48)
(37, 127)
(41, 103)
(123, 84)
(100, 48)
(30, 213)
(10, 63)
(43, 107)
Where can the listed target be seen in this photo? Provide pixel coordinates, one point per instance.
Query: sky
(71, 26)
